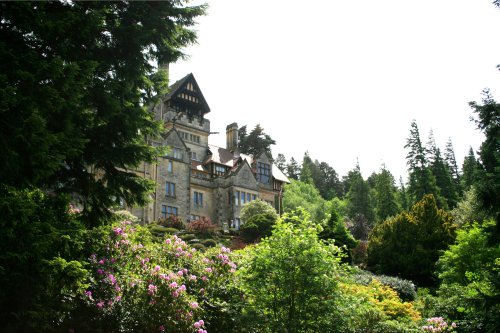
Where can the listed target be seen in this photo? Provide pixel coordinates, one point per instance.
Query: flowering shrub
(172, 221)
(139, 285)
(438, 324)
(202, 226)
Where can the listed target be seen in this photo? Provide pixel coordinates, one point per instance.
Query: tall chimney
(232, 137)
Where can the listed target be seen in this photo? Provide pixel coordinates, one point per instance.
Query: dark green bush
(187, 237)
(209, 242)
(198, 246)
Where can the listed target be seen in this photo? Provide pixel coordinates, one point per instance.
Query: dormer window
(219, 170)
(264, 172)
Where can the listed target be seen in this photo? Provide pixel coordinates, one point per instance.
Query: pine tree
(385, 195)
(451, 162)
(421, 180)
(403, 195)
(441, 173)
(358, 197)
(470, 168)
(280, 162)
(293, 169)
(255, 143)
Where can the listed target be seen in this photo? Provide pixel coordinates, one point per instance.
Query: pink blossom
(118, 231)
(225, 249)
(168, 241)
(193, 305)
(192, 277)
(112, 278)
(208, 269)
(157, 268)
(100, 304)
(88, 293)
(152, 289)
(173, 285)
(118, 298)
(182, 288)
(204, 278)
(161, 328)
(100, 271)
(180, 273)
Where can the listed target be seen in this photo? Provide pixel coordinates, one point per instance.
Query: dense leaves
(75, 79)
(408, 245)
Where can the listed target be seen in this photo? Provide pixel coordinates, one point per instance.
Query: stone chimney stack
(232, 137)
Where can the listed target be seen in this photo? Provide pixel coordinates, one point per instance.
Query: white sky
(344, 79)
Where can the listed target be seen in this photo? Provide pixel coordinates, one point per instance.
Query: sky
(343, 80)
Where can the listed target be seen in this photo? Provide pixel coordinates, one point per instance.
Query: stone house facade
(196, 179)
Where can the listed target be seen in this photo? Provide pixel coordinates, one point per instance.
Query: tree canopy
(76, 79)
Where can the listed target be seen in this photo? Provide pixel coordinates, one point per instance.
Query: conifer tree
(385, 195)
(76, 79)
(255, 143)
(421, 181)
(293, 169)
(451, 162)
(358, 197)
(441, 173)
(470, 168)
(403, 195)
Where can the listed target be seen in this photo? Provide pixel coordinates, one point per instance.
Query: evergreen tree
(255, 143)
(488, 182)
(76, 77)
(280, 162)
(442, 174)
(328, 184)
(335, 229)
(470, 168)
(385, 195)
(421, 180)
(408, 245)
(451, 162)
(293, 169)
(403, 195)
(358, 197)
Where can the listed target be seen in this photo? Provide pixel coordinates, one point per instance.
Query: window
(193, 155)
(194, 138)
(264, 171)
(254, 197)
(176, 153)
(170, 189)
(198, 199)
(237, 198)
(194, 217)
(249, 197)
(243, 198)
(170, 166)
(168, 211)
(219, 170)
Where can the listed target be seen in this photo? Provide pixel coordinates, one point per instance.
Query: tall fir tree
(403, 195)
(293, 169)
(280, 162)
(358, 197)
(421, 181)
(470, 168)
(441, 173)
(451, 162)
(385, 195)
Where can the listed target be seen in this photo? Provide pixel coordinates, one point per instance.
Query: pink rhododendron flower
(193, 305)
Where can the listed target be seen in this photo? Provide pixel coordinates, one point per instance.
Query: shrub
(143, 286)
(202, 226)
(209, 242)
(172, 221)
(187, 237)
(198, 246)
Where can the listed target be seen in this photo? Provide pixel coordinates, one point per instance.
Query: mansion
(196, 179)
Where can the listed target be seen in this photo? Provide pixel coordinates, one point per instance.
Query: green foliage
(470, 169)
(258, 219)
(40, 271)
(421, 179)
(299, 194)
(290, 279)
(406, 289)
(358, 197)
(385, 195)
(408, 244)
(76, 77)
(255, 143)
(488, 185)
(140, 285)
(471, 268)
(323, 176)
(469, 209)
(334, 229)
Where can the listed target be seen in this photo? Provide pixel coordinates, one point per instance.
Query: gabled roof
(180, 87)
(225, 157)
